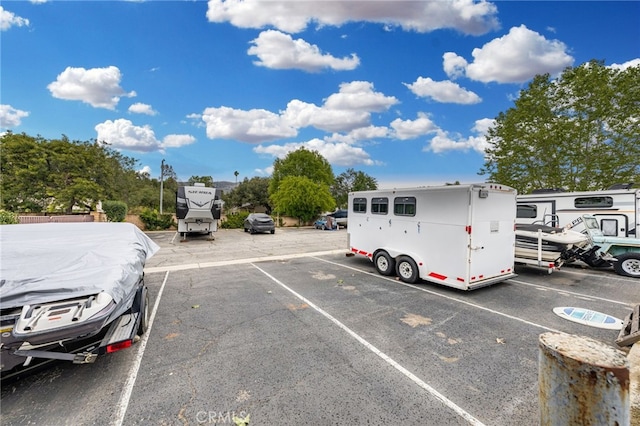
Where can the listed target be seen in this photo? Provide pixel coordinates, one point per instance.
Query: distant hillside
(225, 186)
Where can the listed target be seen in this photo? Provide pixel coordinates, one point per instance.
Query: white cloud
(146, 170)
(344, 111)
(98, 87)
(443, 141)
(123, 134)
(454, 65)
(176, 141)
(466, 16)
(140, 108)
(340, 153)
(11, 117)
(256, 125)
(9, 19)
(442, 91)
(411, 129)
(518, 57)
(279, 51)
(359, 134)
(359, 96)
(625, 65)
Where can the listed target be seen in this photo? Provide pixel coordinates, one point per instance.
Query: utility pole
(161, 183)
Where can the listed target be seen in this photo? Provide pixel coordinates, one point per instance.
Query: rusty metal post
(582, 382)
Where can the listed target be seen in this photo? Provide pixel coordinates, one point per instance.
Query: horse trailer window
(404, 206)
(591, 202)
(359, 205)
(528, 211)
(380, 205)
(609, 227)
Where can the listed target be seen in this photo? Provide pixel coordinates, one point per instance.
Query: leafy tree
(300, 197)
(254, 191)
(302, 162)
(116, 211)
(207, 180)
(8, 218)
(349, 181)
(23, 173)
(577, 132)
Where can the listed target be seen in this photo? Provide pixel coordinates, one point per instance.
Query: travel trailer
(197, 209)
(617, 210)
(459, 236)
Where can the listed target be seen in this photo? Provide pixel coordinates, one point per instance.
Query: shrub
(8, 218)
(234, 220)
(153, 221)
(116, 211)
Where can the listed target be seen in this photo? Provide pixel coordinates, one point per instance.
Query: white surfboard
(589, 317)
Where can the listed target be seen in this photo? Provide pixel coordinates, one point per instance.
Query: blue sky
(403, 91)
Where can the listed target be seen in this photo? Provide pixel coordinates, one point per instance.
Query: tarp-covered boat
(71, 291)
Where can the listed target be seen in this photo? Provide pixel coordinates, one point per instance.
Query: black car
(259, 222)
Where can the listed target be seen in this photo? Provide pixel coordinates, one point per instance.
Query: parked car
(321, 223)
(340, 217)
(259, 222)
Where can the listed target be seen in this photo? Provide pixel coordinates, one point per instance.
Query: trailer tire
(407, 269)
(628, 264)
(384, 263)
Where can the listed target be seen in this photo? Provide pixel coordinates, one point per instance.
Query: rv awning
(46, 262)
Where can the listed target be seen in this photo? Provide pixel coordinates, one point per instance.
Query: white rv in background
(459, 236)
(617, 210)
(197, 209)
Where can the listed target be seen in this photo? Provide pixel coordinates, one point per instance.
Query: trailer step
(124, 328)
(630, 332)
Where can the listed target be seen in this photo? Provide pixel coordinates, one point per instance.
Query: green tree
(349, 181)
(254, 191)
(302, 198)
(578, 132)
(57, 175)
(207, 180)
(301, 162)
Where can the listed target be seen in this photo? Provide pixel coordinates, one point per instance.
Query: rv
(197, 209)
(617, 210)
(459, 236)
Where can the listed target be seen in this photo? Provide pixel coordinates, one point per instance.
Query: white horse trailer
(617, 210)
(197, 209)
(460, 236)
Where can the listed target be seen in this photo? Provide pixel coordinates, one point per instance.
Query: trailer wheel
(407, 269)
(628, 264)
(385, 264)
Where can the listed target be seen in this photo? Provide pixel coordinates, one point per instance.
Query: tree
(300, 197)
(207, 180)
(252, 191)
(578, 132)
(39, 175)
(301, 162)
(349, 181)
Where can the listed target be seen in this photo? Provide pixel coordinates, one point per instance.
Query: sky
(403, 91)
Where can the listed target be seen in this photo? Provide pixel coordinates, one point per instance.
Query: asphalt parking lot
(285, 329)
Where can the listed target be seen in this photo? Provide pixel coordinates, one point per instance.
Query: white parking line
(573, 293)
(240, 261)
(123, 404)
(462, 413)
(444, 296)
